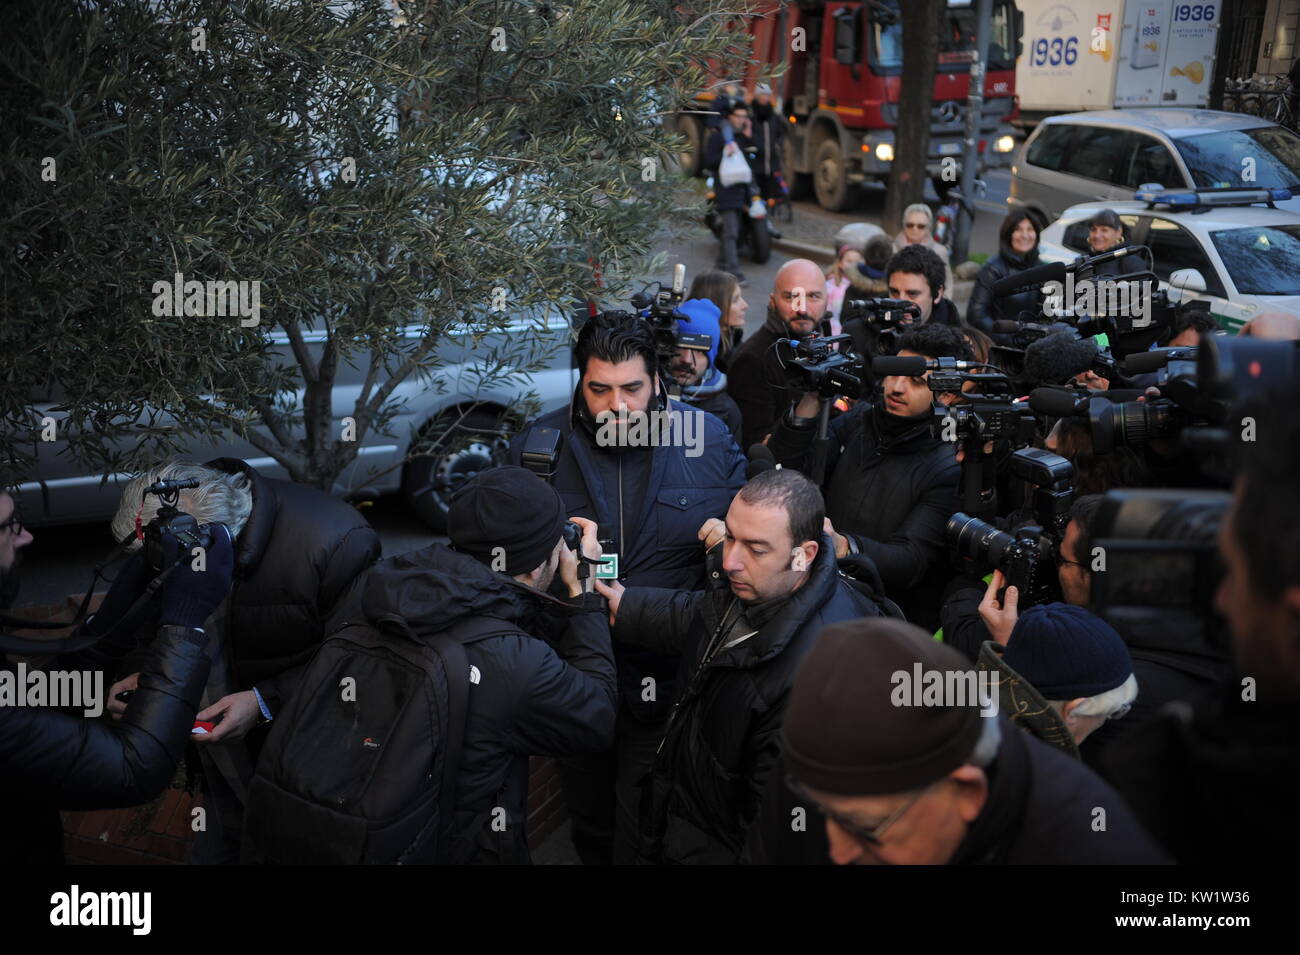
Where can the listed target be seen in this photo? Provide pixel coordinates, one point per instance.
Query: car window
(1174, 248)
(1261, 260)
(1098, 152)
(1264, 158)
(1153, 162)
(1048, 150)
(1076, 235)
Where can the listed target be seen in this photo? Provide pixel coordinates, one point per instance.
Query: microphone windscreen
(760, 459)
(1055, 359)
(909, 366)
(1056, 402)
(1039, 274)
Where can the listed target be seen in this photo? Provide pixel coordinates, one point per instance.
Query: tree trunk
(921, 23)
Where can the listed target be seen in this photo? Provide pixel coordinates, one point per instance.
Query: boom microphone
(908, 366)
(1038, 275)
(1057, 402)
(1139, 363)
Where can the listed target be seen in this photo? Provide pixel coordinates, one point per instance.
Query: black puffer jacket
(296, 559)
(530, 697)
(722, 739)
(891, 497)
(657, 497)
(52, 760)
(985, 309)
(757, 382)
(1040, 810)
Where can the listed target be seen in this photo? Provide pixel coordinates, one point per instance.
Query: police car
(1229, 247)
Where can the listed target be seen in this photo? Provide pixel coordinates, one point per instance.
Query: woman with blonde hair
(918, 229)
(723, 290)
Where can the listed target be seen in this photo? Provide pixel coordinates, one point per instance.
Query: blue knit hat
(1067, 652)
(702, 318)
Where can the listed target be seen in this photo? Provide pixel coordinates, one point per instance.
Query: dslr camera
(172, 522)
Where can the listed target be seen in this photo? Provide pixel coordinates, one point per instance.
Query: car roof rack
(1209, 198)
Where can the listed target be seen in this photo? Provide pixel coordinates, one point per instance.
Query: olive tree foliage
(397, 178)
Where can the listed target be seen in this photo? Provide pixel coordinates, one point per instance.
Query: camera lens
(978, 539)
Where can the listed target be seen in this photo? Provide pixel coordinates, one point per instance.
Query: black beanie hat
(510, 508)
(1067, 652)
(843, 732)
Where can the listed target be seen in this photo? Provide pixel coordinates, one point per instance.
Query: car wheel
(428, 482)
(831, 177)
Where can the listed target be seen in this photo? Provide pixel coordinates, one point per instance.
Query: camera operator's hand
(712, 532)
(613, 594)
(238, 714)
(127, 587)
(809, 406)
(1000, 618)
(189, 596)
(839, 540)
(116, 708)
(590, 545)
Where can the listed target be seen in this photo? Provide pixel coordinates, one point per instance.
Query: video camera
(171, 521)
(818, 365)
(886, 318)
(1161, 567)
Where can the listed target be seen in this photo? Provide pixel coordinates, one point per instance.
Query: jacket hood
(434, 588)
(252, 541)
(1023, 704)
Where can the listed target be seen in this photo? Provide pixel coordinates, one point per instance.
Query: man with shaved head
(756, 380)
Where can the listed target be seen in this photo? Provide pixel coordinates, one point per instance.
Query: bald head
(799, 296)
(1280, 325)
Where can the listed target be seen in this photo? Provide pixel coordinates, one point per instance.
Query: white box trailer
(1108, 54)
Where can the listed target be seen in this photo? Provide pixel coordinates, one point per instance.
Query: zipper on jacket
(710, 652)
(622, 542)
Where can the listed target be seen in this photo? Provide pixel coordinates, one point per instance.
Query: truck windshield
(1217, 160)
(1262, 260)
(956, 41)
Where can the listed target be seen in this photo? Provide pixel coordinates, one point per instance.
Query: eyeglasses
(14, 525)
(914, 225)
(869, 834)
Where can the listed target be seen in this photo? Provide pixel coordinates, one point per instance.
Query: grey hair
(1104, 704)
(986, 748)
(220, 498)
(919, 207)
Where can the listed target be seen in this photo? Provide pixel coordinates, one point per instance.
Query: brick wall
(159, 833)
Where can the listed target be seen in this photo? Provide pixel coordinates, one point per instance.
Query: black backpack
(360, 766)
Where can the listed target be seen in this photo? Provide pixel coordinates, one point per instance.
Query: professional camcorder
(885, 319)
(659, 311)
(818, 365)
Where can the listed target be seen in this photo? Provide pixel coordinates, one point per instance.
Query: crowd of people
(709, 635)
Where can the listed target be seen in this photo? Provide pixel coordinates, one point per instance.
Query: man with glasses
(13, 537)
(886, 776)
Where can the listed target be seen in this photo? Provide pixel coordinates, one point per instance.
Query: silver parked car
(1108, 154)
(61, 492)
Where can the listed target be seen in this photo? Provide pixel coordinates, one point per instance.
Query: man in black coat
(546, 689)
(649, 500)
(741, 643)
(731, 201)
(298, 554)
(796, 309)
(890, 485)
(895, 754)
(52, 759)
(915, 273)
(1233, 758)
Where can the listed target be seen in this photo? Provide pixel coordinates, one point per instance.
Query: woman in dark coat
(1018, 244)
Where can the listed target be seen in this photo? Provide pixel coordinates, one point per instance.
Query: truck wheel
(760, 241)
(831, 177)
(428, 482)
(691, 156)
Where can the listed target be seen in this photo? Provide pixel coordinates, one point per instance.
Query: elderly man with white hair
(299, 556)
(755, 379)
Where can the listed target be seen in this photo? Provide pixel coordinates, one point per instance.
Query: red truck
(840, 90)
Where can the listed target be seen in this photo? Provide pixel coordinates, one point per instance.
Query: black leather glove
(127, 587)
(190, 596)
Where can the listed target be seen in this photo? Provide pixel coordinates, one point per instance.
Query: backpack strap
(450, 646)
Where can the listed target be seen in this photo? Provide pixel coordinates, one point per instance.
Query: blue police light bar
(1211, 197)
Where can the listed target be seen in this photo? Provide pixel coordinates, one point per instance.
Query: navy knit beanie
(1067, 652)
(508, 508)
